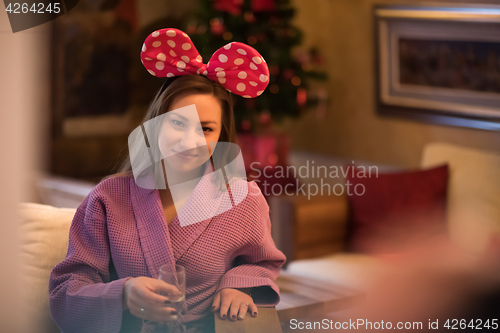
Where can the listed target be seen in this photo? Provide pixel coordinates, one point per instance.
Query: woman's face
(190, 130)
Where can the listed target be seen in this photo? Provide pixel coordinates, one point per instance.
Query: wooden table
(300, 298)
(305, 298)
(267, 322)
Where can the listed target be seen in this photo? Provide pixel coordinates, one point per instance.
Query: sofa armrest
(303, 228)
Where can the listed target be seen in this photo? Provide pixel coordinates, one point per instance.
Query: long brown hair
(181, 86)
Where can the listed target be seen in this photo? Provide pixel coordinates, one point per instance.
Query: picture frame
(439, 65)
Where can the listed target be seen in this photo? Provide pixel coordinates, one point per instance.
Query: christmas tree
(265, 25)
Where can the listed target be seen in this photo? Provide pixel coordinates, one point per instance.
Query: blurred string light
(273, 159)
(201, 29)
(252, 40)
(301, 96)
(296, 81)
(215, 21)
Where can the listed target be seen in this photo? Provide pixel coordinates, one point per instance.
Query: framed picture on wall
(439, 65)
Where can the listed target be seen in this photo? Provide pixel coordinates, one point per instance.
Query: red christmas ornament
(216, 27)
(288, 74)
(249, 17)
(251, 40)
(302, 56)
(265, 118)
(263, 5)
(191, 28)
(201, 29)
(318, 59)
(230, 6)
(246, 125)
(127, 10)
(250, 103)
(301, 96)
(234, 6)
(316, 56)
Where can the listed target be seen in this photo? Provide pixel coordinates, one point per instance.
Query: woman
(216, 226)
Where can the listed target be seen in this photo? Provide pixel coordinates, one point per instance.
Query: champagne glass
(176, 278)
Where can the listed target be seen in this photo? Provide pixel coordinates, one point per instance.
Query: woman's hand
(236, 301)
(140, 296)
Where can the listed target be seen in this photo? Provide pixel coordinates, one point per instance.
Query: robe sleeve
(82, 296)
(259, 261)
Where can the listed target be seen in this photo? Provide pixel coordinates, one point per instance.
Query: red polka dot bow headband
(238, 67)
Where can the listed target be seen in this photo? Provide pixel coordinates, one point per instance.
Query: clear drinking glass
(176, 278)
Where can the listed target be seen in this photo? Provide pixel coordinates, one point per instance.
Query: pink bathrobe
(120, 231)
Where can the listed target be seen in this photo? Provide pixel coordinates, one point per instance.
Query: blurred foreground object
(432, 286)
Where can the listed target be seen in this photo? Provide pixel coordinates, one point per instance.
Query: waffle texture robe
(120, 232)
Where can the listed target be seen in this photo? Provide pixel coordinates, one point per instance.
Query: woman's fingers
(252, 308)
(148, 288)
(216, 302)
(236, 302)
(151, 297)
(144, 302)
(149, 311)
(164, 288)
(226, 301)
(235, 308)
(243, 310)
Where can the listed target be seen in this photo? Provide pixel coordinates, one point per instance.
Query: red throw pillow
(394, 210)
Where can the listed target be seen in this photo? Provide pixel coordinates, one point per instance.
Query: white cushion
(473, 193)
(44, 231)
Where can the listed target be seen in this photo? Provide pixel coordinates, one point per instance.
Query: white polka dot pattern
(161, 57)
(237, 66)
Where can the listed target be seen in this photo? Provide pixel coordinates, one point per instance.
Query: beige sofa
(44, 231)
(311, 232)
